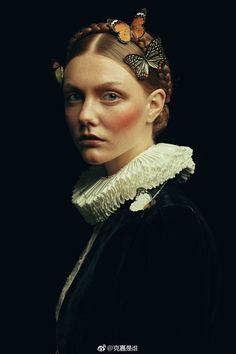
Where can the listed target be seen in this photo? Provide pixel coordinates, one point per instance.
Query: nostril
(86, 122)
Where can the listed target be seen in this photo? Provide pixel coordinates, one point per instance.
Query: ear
(156, 101)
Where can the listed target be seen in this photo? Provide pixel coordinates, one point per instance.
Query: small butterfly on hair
(126, 32)
(154, 57)
(58, 71)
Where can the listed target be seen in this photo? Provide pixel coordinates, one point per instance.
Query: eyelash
(110, 94)
(69, 96)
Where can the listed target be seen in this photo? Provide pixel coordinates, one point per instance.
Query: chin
(93, 157)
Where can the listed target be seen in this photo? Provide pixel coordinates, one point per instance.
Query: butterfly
(143, 200)
(127, 32)
(58, 71)
(154, 57)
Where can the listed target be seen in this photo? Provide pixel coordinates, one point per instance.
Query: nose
(88, 115)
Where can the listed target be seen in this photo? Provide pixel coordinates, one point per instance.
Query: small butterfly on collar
(58, 71)
(127, 32)
(154, 57)
(143, 200)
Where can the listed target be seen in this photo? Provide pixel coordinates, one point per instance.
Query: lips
(90, 140)
(89, 137)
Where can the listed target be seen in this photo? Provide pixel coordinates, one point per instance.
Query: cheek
(125, 119)
(71, 119)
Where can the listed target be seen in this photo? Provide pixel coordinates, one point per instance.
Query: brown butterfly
(58, 71)
(127, 32)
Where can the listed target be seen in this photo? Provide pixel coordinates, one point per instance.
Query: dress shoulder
(173, 203)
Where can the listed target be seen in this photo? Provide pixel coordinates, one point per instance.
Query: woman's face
(106, 110)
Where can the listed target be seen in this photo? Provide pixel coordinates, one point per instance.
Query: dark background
(43, 230)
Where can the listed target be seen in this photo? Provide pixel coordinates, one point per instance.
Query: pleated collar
(97, 196)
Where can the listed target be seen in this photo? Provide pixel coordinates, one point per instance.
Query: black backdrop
(42, 165)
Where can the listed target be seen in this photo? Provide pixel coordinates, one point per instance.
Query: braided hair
(101, 39)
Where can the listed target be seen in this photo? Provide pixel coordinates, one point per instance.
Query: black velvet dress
(150, 284)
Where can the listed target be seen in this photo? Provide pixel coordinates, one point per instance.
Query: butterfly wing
(58, 71)
(138, 64)
(137, 28)
(122, 29)
(141, 202)
(155, 55)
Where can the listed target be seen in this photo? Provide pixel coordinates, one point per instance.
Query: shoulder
(175, 221)
(172, 202)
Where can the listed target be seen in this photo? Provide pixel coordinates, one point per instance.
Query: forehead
(94, 67)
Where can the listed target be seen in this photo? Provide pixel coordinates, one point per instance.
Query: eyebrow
(105, 84)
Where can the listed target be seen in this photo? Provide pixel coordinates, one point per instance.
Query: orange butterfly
(125, 32)
(58, 71)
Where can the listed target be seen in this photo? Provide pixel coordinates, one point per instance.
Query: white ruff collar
(97, 196)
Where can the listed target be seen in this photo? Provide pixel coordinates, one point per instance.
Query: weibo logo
(101, 348)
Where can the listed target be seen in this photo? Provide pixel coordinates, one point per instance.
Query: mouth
(86, 137)
(90, 140)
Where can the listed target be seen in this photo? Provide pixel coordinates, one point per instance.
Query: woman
(147, 280)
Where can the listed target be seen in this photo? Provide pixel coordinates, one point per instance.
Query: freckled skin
(121, 122)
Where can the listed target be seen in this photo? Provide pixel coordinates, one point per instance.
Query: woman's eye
(111, 96)
(71, 97)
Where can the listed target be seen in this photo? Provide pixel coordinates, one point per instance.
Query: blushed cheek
(126, 119)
